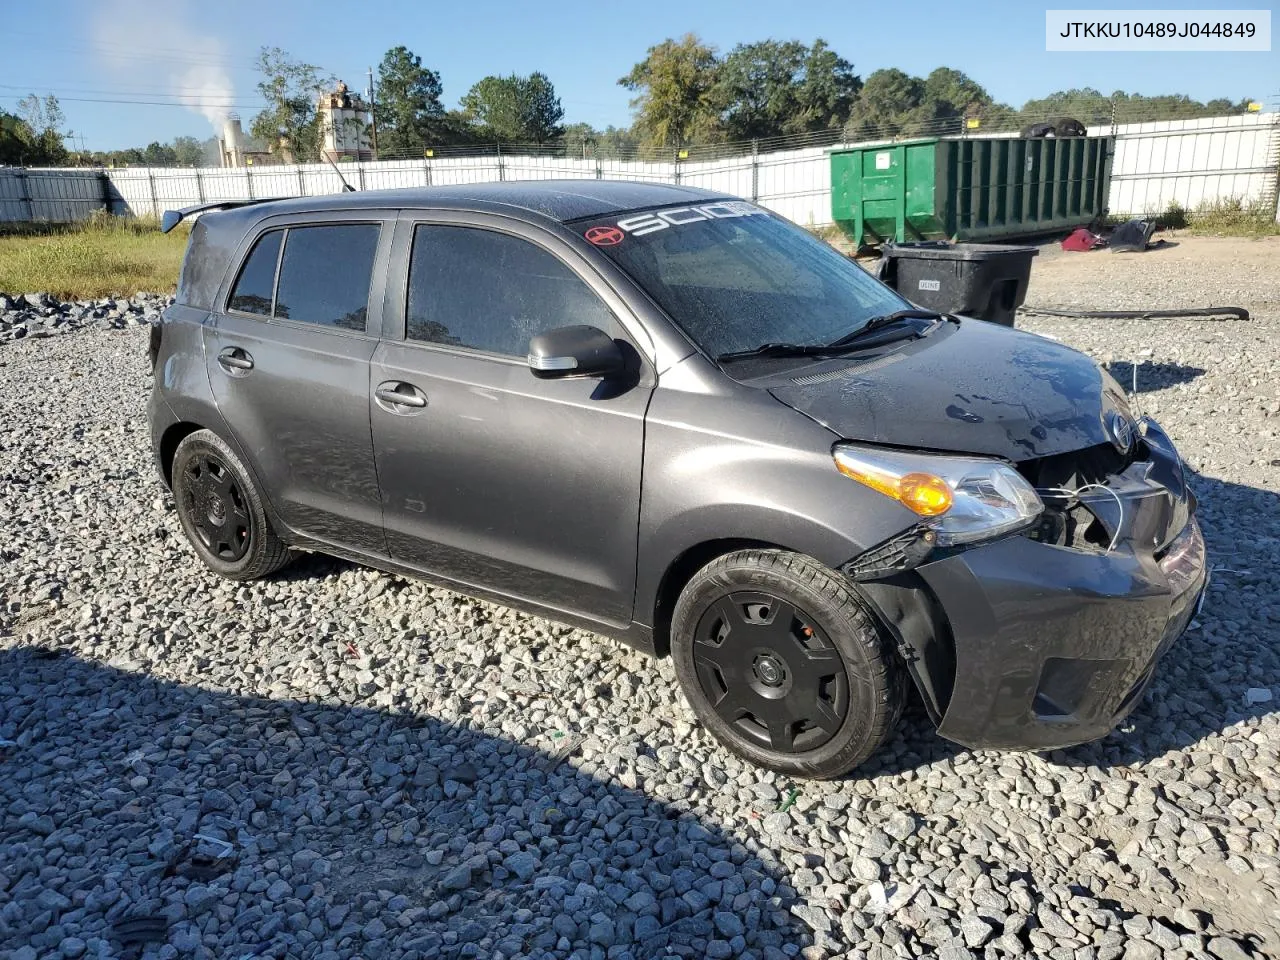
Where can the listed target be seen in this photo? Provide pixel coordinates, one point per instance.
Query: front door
(490, 477)
(288, 360)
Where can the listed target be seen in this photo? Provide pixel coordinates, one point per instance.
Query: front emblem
(1121, 429)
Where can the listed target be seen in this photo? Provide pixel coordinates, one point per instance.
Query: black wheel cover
(770, 672)
(215, 504)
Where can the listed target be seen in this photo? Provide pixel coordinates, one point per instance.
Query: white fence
(1193, 161)
(795, 183)
(1190, 161)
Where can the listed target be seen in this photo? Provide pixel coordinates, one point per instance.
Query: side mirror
(577, 351)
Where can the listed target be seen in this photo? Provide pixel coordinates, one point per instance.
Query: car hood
(975, 387)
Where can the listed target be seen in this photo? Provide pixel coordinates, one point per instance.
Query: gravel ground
(340, 763)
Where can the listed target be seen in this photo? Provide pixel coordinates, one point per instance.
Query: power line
(117, 51)
(166, 91)
(194, 104)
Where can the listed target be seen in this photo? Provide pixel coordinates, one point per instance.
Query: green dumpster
(968, 189)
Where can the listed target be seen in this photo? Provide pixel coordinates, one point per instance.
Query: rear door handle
(234, 359)
(399, 394)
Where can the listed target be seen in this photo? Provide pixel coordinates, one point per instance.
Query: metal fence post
(199, 185)
(755, 170)
(24, 192)
(248, 181)
(151, 187)
(302, 184)
(599, 169)
(502, 173)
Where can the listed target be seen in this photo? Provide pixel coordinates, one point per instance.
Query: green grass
(104, 256)
(1233, 218)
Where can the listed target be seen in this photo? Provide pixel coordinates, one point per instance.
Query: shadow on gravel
(1152, 376)
(134, 809)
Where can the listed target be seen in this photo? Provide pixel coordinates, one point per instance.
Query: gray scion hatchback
(674, 418)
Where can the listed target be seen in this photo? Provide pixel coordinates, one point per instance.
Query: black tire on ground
(784, 663)
(221, 510)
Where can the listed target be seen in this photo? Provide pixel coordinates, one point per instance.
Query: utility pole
(373, 113)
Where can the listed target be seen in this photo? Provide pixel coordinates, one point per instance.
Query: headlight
(962, 499)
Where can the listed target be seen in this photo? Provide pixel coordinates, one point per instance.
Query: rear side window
(324, 275)
(323, 279)
(257, 280)
(489, 291)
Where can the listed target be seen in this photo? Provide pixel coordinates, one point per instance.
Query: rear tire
(785, 665)
(221, 510)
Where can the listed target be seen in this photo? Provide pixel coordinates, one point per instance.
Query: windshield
(734, 276)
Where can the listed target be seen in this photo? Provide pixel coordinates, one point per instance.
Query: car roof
(560, 200)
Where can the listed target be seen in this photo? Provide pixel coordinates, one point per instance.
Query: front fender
(779, 487)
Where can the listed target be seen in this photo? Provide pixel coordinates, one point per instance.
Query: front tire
(221, 510)
(785, 665)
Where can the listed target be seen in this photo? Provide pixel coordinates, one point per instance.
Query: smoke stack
(232, 142)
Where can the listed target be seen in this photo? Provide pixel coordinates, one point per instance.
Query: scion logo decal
(604, 236)
(656, 220)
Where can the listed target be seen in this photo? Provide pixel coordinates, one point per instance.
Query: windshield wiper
(879, 323)
(786, 350)
(843, 345)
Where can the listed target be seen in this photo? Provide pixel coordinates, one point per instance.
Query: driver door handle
(233, 358)
(400, 394)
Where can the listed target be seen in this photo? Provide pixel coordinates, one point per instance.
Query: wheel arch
(682, 569)
(173, 435)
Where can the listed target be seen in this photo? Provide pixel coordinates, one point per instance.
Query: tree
(889, 101)
(618, 143)
(515, 109)
(492, 105)
(540, 108)
(158, 155)
(956, 89)
(677, 98)
(580, 139)
(15, 140)
(188, 151)
(291, 89)
(771, 88)
(408, 109)
(759, 83)
(827, 93)
(43, 120)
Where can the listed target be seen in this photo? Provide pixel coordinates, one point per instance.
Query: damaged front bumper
(1049, 645)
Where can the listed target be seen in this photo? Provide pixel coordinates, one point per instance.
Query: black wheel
(221, 510)
(784, 664)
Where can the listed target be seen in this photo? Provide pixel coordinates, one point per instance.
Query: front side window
(325, 274)
(734, 277)
(257, 281)
(490, 291)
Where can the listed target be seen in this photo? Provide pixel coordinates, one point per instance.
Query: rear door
(288, 360)
(490, 477)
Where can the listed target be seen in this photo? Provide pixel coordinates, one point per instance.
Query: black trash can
(984, 280)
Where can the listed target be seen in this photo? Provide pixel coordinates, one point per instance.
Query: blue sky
(87, 50)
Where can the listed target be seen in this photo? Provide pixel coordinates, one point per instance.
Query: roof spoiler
(171, 218)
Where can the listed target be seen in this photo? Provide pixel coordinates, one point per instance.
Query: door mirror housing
(576, 351)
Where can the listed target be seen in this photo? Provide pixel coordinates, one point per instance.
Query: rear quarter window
(202, 269)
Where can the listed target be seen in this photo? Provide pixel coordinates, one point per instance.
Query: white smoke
(158, 45)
